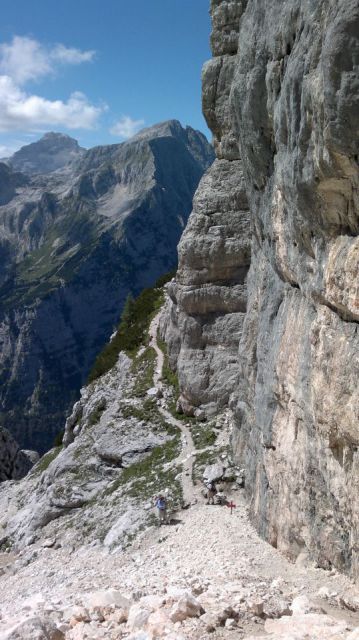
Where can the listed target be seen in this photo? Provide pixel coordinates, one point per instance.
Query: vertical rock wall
(208, 299)
(282, 98)
(295, 112)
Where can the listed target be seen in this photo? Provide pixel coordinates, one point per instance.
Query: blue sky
(99, 69)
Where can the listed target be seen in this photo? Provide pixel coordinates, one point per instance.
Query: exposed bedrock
(295, 112)
(208, 299)
(284, 111)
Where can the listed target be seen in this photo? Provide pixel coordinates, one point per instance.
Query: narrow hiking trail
(188, 449)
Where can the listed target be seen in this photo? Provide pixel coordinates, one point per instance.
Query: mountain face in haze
(73, 244)
(53, 151)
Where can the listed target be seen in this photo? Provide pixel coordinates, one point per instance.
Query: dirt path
(188, 449)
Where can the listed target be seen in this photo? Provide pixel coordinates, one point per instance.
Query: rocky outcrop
(74, 243)
(15, 463)
(96, 489)
(284, 112)
(209, 297)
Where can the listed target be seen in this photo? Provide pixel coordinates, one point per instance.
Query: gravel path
(188, 449)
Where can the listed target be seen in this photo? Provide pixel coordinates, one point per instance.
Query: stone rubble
(207, 576)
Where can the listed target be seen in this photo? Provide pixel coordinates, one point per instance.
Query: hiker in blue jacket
(161, 504)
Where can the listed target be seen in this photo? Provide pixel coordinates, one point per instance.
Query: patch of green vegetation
(148, 412)
(46, 460)
(58, 438)
(57, 259)
(131, 332)
(162, 280)
(148, 476)
(203, 435)
(142, 370)
(6, 545)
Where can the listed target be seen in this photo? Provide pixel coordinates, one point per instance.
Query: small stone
(256, 607)
(48, 543)
(230, 623)
(137, 617)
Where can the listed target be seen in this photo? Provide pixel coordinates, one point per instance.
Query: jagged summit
(53, 151)
(194, 141)
(165, 128)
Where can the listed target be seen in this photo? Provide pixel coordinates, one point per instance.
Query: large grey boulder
(35, 628)
(213, 472)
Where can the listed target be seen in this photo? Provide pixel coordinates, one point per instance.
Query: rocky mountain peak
(53, 151)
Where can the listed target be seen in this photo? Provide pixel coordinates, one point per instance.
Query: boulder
(104, 598)
(213, 472)
(186, 607)
(34, 629)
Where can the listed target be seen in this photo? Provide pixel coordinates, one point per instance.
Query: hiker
(161, 504)
(211, 492)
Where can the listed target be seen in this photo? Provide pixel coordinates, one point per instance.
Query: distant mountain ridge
(53, 151)
(73, 243)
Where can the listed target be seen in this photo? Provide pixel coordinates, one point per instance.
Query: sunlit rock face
(281, 96)
(209, 296)
(74, 241)
(295, 112)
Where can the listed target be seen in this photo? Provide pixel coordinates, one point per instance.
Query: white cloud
(126, 127)
(6, 151)
(25, 59)
(70, 55)
(19, 110)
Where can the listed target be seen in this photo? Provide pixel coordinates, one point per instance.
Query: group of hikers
(161, 502)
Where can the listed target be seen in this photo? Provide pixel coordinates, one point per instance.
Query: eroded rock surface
(281, 97)
(294, 100)
(208, 299)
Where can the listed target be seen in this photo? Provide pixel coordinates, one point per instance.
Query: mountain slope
(75, 243)
(53, 151)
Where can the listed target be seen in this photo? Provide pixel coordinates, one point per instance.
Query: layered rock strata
(208, 298)
(288, 100)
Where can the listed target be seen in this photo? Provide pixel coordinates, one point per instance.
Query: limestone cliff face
(284, 109)
(208, 299)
